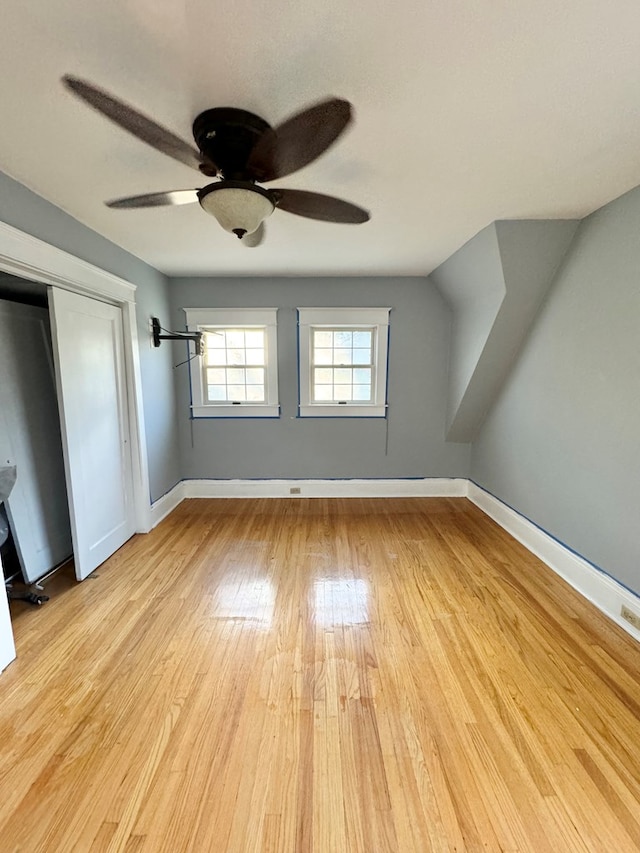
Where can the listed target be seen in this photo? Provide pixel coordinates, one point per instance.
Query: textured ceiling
(466, 112)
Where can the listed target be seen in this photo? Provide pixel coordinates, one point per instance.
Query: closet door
(92, 398)
(7, 646)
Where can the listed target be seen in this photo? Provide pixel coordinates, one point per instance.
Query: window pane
(255, 356)
(362, 376)
(235, 356)
(215, 340)
(343, 339)
(342, 375)
(323, 375)
(216, 392)
(323, 356)
(255, 393)
(235, 338)
(235, 376)
(236, 383)
(216, 356)
(362, 339)
(342, 356)
(361, 356)
(323, 393)
(323, 339)
(216, 376)
(362, 392)
(255, 376)
(236, 393)
(254, 338)
(342, 392)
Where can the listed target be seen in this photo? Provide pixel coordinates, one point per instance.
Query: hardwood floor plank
(320, 676)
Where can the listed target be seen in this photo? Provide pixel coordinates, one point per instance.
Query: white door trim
(28, 257)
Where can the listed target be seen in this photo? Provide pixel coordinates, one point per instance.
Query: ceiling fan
(240, 151)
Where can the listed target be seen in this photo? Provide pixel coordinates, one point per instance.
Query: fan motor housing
(226, 136)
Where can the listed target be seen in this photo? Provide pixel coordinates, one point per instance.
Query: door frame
(27, 257)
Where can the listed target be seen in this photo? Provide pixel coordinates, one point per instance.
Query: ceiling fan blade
(317, 206)
(130, 119)
(154, 199)
(256, 238)
(305, 136)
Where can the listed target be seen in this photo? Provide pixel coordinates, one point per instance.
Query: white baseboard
(595, 585)
(428, 487)
(167, 503)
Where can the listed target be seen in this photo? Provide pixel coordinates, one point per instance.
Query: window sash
(343, 387)
(242, 365)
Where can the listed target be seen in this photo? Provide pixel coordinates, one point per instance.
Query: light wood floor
(320, 675)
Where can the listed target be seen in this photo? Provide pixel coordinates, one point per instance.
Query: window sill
(350, 410)
(230, 411)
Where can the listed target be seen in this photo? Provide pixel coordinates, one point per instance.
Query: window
(237, 376)
(343, 361)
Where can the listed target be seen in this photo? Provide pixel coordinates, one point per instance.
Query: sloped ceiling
(466, 113)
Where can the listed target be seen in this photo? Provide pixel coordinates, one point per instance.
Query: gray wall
(293, 447)
(25, 210)
(562, 443)
(471, 281)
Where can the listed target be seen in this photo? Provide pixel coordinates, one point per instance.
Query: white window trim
(352, 318)
(199, 319)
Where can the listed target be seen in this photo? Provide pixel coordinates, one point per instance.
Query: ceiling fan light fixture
(239, 207)
(242, 146)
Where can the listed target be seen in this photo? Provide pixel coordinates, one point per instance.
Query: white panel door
(7, 646)
(92, 398)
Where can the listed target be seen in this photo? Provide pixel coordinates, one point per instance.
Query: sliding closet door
(92, 397)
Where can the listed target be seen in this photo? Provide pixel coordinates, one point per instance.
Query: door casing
(28, 257)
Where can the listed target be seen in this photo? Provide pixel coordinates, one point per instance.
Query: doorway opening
(35, 530)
